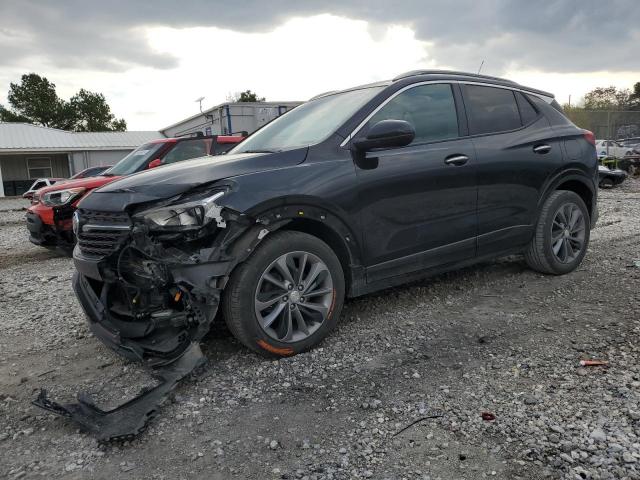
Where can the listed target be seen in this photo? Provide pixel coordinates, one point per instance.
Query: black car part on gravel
(129, 419)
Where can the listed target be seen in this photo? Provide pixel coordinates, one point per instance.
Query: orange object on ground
(593, 363)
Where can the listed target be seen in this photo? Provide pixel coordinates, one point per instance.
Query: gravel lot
(494, 338)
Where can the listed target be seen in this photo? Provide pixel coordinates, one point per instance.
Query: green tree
(91, 113)
(34, 100)
(246, 96)
(7, 115)
(634, 98)
(608, 98)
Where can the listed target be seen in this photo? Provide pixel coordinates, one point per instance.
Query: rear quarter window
(553, 111)
(491, 109)
(527, 112)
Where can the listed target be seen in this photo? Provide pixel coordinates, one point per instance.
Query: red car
(49, 219)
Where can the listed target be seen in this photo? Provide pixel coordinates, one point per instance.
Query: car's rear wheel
(562, 234)
(287, 296)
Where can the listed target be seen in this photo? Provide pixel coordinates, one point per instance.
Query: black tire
(606, 182)
(539, 254)
(239, 295)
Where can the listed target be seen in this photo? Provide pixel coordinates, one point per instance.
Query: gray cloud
(550, 35)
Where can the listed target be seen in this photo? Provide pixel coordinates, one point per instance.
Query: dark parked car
(351, 192)
(609, 177)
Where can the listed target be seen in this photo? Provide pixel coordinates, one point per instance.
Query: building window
(39, 167)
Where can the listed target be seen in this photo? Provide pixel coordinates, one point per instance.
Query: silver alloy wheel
(294, 296)
(568, 233)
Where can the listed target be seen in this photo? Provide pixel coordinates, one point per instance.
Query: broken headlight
(61, 197)
(184, 216)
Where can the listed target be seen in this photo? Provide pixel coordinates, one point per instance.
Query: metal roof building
(228, 118)
(30, 151)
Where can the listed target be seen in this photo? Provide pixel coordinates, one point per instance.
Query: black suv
(351, 192)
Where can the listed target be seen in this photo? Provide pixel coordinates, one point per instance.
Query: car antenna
(481, 64)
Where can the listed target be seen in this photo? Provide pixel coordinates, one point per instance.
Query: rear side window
(431, 110)
(527, 113)
(491, 109)
(552, 111)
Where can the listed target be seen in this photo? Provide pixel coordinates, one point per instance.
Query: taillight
(590, 137)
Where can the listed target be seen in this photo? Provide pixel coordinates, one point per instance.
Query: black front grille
(101, 233)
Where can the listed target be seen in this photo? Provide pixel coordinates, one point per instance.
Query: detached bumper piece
(129, 419)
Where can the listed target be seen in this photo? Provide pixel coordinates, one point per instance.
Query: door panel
(511, 175)
(417, 211)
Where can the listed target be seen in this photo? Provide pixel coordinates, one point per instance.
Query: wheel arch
(323, 221)
(575, 181)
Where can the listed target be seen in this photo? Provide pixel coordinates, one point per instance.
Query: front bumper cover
(164, 337)
(39, 233)
(129, 419)
(45, 235)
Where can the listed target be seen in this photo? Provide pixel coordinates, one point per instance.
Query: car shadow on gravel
(433, 286)
(10, 259)
(219, 343)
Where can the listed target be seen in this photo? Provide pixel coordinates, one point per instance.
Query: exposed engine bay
(150, 283)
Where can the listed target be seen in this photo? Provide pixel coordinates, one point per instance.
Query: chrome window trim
(429, 82)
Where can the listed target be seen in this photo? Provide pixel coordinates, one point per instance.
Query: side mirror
(386, 134)
(155, 163)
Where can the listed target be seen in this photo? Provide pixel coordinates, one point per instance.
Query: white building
(30, 151)
(228, 118)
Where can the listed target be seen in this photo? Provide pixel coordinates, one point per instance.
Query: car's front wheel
(561, 236)
(287, 296)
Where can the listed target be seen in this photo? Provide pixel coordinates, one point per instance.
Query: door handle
(456, 160)
(542, 149)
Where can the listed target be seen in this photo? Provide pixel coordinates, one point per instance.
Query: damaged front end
(149, 279)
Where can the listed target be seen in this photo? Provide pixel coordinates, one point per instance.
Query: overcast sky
(153, 59)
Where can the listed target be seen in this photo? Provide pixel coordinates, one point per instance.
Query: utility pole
(199, 100)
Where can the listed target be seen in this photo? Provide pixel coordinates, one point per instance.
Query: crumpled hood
(170, 180)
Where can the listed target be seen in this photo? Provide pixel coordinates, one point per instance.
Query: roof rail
(413, 73)
(324, 94)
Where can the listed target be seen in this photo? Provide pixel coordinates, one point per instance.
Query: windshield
(199, 147)
(308, 124)
(136, 160)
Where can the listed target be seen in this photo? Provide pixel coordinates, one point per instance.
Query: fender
(320, 218)
(308, 208)
(571, 174)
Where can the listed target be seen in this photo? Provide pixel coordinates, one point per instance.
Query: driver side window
(430, 109)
